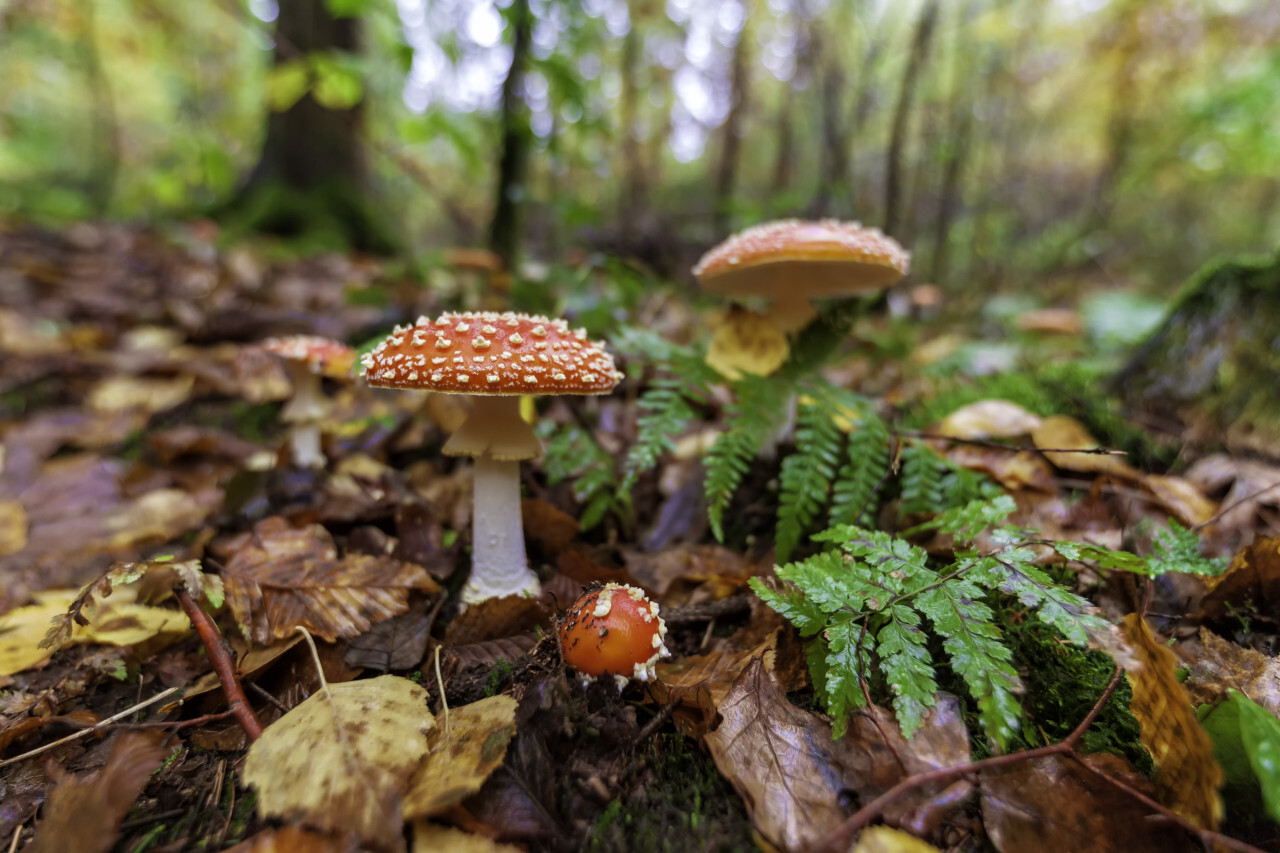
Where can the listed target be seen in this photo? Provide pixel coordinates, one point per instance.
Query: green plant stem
(841, 837)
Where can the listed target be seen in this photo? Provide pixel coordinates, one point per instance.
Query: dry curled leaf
(342, 759)
(1187, 775)
(84, 814)
(1251, 583)
(1218, 666)
(462, 751)
(280, 577)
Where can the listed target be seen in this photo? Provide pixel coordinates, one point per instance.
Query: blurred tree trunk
(784, 130)
(731, 138)
(955, 146)
(311, 177)
(833, 169)
(105, 157)
(631, 201)
(504, 229)
(1121, 120)
(896, 219)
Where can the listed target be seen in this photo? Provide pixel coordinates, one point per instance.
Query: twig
(216, 649)
(181, 724)
(1012, 448)
(839, 839)
(163, 694)
(1226, 509)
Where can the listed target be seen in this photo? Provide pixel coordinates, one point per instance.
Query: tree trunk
(731, 139)
(631, 199)
(311, 177)
(504, 230)
(895, 217)
(955, 154)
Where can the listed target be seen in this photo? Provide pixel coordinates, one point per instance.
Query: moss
(681, 803)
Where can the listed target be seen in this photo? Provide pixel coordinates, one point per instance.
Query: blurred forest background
(1008, 143)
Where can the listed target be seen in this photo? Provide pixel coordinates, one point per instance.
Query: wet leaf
(466, 746)
(1218, 666)
(84, 814)
(1187, 775)
(1252, 583)
(782, 760)
(280, 577)
(1053, 805)
(342, 759)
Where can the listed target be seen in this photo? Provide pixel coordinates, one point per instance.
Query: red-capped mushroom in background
(308, 358)
(791, 262)
(495, 359)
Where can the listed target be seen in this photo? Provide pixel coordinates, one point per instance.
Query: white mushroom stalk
(495, 359)
(304, 413)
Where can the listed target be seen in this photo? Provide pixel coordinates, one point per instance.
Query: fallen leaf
(84, 814)
(431, 837)
(1187, 776)
(280, 577)
(1015, 470)
(145, 394)
(1065, 433)
(781, 759)
(13, 528)
(497, 618)
(116, 621)
(462, 751)
(549, 527)
(1217, 666)
(296, 839)
(1180, 498)
(343, 758)
(1053, 805)
(1055, 321)
(988, 419)
(885, 839)
(744, 341)
(397, 643)
(1251, 583)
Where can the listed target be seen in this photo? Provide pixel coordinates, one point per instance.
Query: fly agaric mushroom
(308, 358)
(614, 630)
(495, 358)
(793, 262)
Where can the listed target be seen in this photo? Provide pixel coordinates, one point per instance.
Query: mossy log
(1214, 363)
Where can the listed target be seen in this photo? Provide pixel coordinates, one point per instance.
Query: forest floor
(144, 481)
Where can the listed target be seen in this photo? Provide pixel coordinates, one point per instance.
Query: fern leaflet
(751, 420)
(806, 476)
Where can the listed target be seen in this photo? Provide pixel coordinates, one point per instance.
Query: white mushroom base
(498, 564)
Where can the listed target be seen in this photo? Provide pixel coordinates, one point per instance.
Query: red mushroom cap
(489, 353)
(837, 258)
(614, 630)
(319, 355)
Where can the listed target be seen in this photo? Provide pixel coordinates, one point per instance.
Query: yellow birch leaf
(342, 760)
(462, 755)
(1187, 776)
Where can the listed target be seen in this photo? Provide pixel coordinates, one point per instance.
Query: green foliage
(1176, 549)
(1246, 742)
(751, 421)
(571, 453)
(931, 484)
(864, 606)
(806, 475)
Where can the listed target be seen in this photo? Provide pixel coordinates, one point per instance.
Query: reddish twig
(222, 664)
(840, 838)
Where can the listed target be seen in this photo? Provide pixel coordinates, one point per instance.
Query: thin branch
(216, 649)
(1012, 448)
(163, 694)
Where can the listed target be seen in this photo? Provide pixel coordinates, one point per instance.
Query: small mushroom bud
(614, 630)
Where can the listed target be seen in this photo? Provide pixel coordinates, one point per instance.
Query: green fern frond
(571, 453)
(806, 475)
(907, 665)
(866, 463)
(921, 479)
(665, 413)
(750, 421)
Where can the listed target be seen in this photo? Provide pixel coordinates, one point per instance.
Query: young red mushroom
(792, 262)
(614, 630)
(308, 358)
(494, 358)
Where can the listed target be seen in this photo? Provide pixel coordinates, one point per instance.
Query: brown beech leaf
(1253, 581)
(781, 759)
(1187, 776)
(496, 618)
(296, 839)
(1053, 805)
(342, 759)
(84, 814)
(475, 655)
(987, 419)
(1218, 665)
(431, 837)
(280, 577)
(1065, 433)
(701, 682)
(460, 755)
(1022, 469)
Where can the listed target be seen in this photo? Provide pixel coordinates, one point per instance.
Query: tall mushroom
(494, 358)
(308, 358)
(792, 262)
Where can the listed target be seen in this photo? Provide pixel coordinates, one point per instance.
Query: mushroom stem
(498, 563)
(305, 412)
(791, 311)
